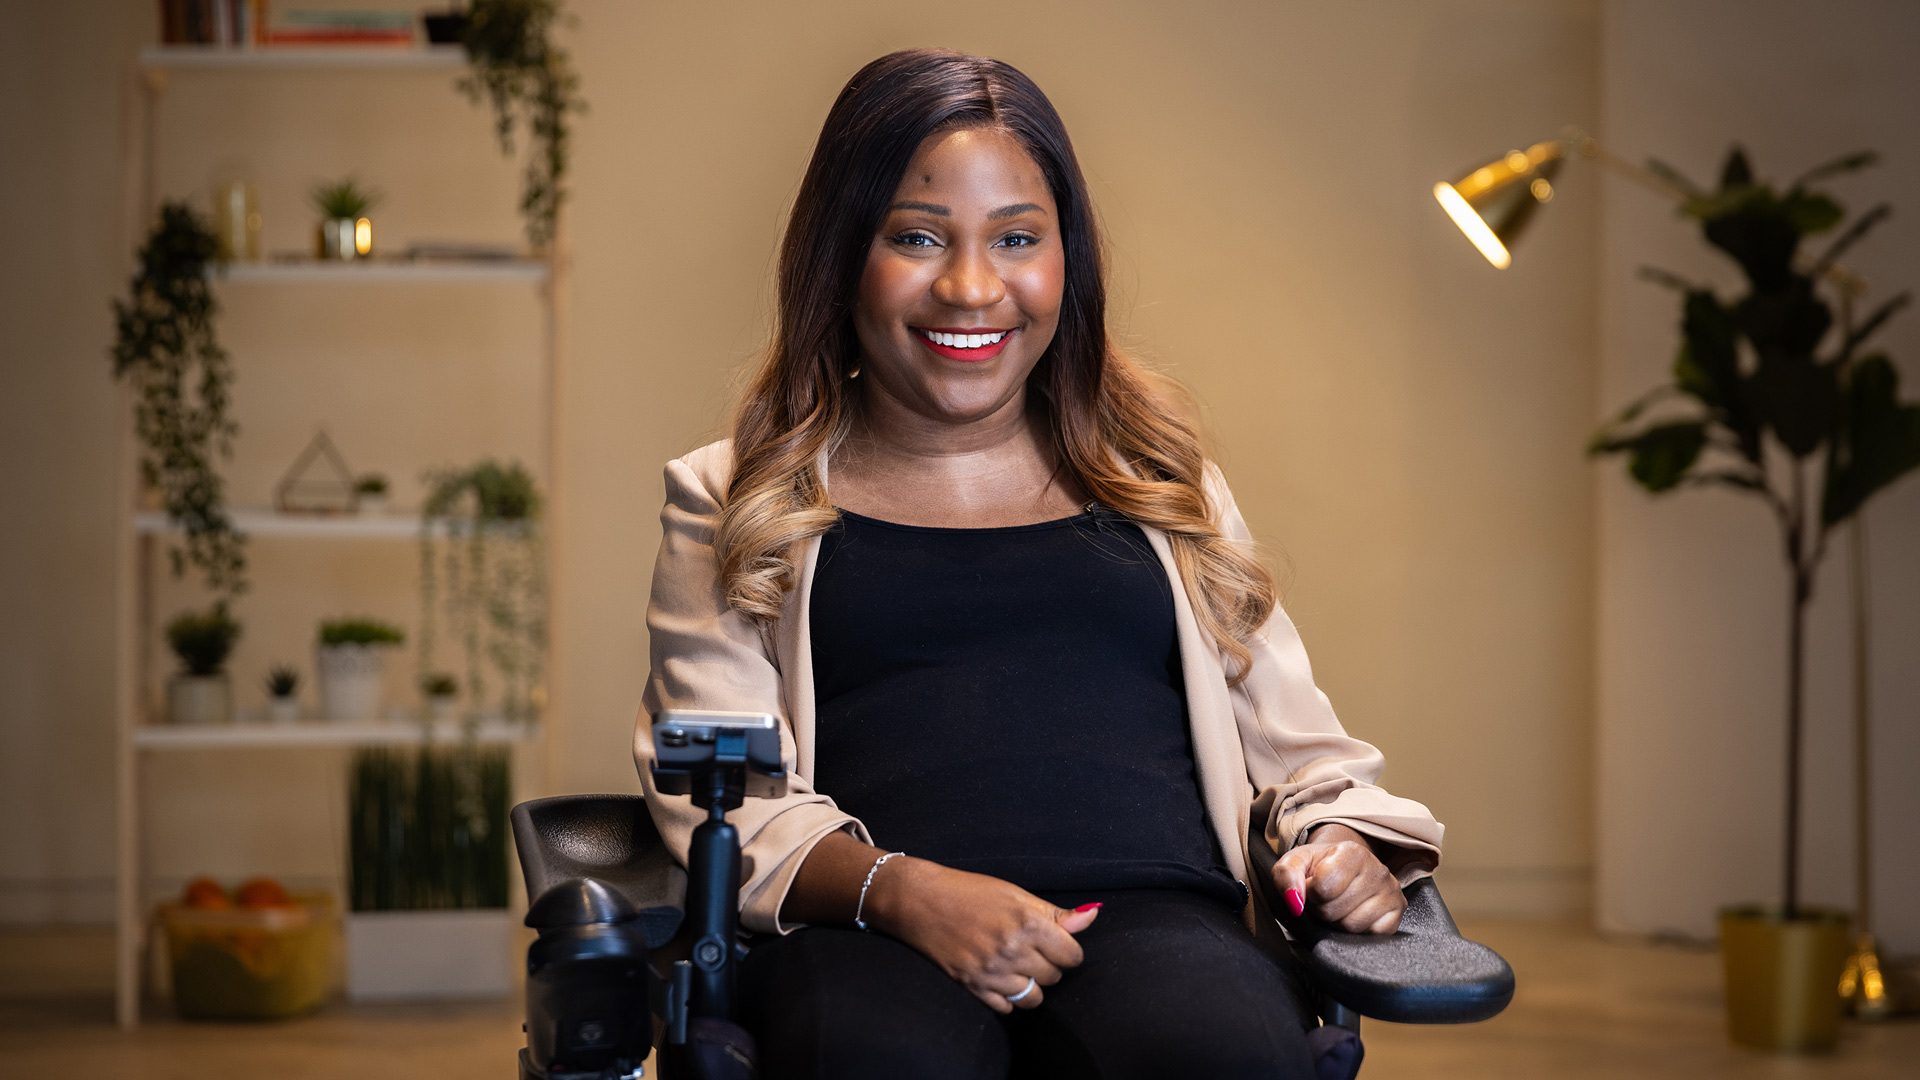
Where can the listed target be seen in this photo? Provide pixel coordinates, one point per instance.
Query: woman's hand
(990, 935)
(1337, 875)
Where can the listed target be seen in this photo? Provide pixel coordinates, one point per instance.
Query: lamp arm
(1590, 148)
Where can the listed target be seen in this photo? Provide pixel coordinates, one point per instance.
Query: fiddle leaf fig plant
(164, 347)
(1770, 398)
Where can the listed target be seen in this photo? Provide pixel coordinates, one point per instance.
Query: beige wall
(1399, 419)
(1692, 594)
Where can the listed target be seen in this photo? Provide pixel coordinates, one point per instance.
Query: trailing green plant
(1770, 399)
(202, 640)
(529, 81)
(427, 828)
(439, 684)
(370, 484)
(165, 348)
(482, 570)
(359, 630)
(282, 681)
(343, 198)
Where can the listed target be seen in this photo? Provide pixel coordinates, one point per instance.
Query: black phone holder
(592, 995)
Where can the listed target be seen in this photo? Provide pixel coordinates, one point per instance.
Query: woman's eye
(1019, 240)
(914, 240)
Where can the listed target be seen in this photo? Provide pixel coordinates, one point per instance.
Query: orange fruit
(264, 893)
(205, 893)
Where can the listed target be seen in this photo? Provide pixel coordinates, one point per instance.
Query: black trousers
(1173, 985)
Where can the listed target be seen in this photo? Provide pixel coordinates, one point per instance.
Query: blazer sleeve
(705, 655)
(1304, 768)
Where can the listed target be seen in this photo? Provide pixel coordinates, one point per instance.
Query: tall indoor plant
(1770, 398)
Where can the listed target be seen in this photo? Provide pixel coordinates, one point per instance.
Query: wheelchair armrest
(1423, 973)
(609, 839)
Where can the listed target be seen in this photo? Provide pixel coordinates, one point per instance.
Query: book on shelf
(232, 23)
(249, 23)
(339, 26)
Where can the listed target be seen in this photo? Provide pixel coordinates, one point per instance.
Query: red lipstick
(965, 355)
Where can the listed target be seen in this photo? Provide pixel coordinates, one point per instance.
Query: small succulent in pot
(202, 640)
(439, 688)
(370, 493)
(345, 230)
(283, 684)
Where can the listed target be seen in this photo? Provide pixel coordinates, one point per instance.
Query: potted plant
(483, 577)
(370, 494)
(182, 382)
(529, 80)
(200, 694)
(1772, 399)
(440, 689)
(345, 231)
(283, 702)
(352, 661)
(427, 874)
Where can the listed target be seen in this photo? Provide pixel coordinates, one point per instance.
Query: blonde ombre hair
(1113, 425)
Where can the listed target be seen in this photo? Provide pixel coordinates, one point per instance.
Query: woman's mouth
(960, 343)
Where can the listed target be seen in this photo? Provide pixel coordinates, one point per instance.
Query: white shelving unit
(379, 272)
(178, 57)
(254, 734)
(140, 531)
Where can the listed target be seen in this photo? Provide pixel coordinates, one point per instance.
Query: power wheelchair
(597, 874)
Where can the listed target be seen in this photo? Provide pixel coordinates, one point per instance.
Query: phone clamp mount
(719, 759)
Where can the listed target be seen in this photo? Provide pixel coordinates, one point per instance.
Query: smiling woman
(1012, 621)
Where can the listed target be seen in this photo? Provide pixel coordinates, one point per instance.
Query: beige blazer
(1267, 749)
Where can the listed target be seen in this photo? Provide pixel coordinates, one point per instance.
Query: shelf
(264, 522)
(369, 272)
(256, 734)
(296, 57)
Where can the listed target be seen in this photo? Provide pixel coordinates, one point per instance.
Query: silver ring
(1032, 983)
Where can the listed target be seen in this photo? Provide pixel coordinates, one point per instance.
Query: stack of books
(341, 27)
(244, 23)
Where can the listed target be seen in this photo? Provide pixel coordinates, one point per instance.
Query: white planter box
(350, 680)
(428, 955)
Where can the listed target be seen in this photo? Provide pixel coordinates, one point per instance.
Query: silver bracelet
(861, 907)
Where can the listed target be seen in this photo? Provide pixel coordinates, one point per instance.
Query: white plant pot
(283, 710)
(370, 505)
(441, 710)
(428, 955)
(350, 681)
(199, 699)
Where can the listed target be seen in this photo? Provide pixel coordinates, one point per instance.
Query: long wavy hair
(1113, 424)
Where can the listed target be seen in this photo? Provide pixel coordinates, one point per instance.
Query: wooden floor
(1585, 1008)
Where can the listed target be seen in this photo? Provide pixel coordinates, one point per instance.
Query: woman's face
(962, 288)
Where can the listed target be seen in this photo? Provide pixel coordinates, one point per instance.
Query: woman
(1010, 618)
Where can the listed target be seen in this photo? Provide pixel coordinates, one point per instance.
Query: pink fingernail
(1294, 901)
(1086, 907)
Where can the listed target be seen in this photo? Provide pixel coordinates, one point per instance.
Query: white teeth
(963, 341)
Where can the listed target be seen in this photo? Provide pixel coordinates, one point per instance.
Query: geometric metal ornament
(298, 492)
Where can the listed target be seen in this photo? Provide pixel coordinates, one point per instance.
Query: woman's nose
(970, 281)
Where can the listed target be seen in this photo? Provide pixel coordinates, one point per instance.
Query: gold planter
(1783, 977)
(344, 238)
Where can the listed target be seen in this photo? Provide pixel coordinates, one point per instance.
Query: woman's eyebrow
(1015, 210)
(927, 207)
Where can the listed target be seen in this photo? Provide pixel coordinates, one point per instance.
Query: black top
(1010, 701)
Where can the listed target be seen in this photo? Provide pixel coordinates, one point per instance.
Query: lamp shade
(1493, 203)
